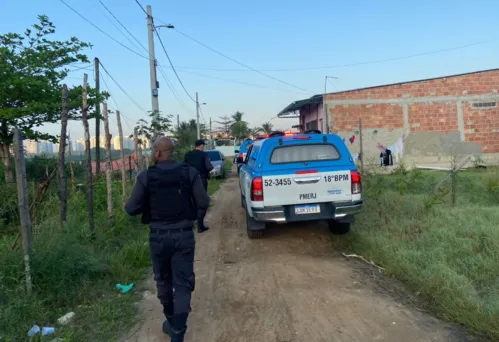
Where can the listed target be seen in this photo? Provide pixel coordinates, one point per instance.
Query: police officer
(199, 160)
(168, 195)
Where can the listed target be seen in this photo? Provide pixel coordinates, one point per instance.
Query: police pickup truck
(302, 177)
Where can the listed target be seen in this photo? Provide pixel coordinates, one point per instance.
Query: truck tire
(338, 228)
(254, 228)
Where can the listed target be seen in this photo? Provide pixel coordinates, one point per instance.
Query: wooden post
(23, 202)
(109, 170)
(97, 117)
(130, 166)
(70, 156)
(90, 186)
(136, 147)
(63, 182)
(122, 154)
(361, 152)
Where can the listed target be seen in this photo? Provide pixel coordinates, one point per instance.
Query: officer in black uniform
(199, 160)
(169, 196)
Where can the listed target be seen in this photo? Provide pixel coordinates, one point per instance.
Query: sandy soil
(290, 286)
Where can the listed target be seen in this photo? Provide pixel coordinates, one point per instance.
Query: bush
(72, 272)
(447, 255)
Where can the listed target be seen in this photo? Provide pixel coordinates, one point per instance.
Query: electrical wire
(242, 83)
(171, 64)
(102, 31)
(117, 107)
(350, 64)
(244, 65)
(166, 52)
(179, 100)
(123, 90)
(119, 22)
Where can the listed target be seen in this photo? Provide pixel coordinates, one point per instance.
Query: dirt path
(290, 286)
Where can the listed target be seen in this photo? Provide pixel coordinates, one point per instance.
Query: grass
(447, 255)
(71, 272)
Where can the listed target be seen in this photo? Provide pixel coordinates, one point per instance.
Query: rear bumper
(329, 211)
(216, 172)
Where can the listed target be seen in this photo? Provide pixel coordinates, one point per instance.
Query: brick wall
(480, 125)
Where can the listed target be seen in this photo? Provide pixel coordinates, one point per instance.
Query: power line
(123, 90)
(171, 64)
(166, 52)
(117, 107)
(142, 7)
(179, 100)
(102, 31)
(351, 64)
(243, 83)
(244, 65)
(119, 22)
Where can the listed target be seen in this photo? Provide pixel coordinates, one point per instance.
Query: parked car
(241, 153)
(218, 161)
(299, 177)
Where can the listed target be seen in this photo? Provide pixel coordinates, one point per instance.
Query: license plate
(307, 209)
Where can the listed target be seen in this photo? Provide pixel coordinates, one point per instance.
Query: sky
(293, 41)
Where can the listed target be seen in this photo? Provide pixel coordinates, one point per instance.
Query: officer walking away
(168, 195)
(199, 160)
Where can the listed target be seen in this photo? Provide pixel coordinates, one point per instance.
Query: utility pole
(324, 107)
(197, 116)
(178, 122)
(97, 116)
(211, 137)
(152, 65)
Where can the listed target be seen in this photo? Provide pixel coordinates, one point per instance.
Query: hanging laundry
(352, 139)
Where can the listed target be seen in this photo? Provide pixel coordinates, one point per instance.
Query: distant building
(423, 121)
(45, 147)
(127, 143)
(32, 146)
(79, 145)
(93, 142)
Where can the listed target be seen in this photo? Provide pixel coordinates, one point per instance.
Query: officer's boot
(178, 336)
(168, 326)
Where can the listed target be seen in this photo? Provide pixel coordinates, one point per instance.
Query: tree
(239, 127)
(225, 123)
(254, 131)
(156, 126)
(32, 69)
(267, 127)
(186, 132)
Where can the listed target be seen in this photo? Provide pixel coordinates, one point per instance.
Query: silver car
(218, 162)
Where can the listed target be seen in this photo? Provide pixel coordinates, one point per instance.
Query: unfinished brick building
(421, 121)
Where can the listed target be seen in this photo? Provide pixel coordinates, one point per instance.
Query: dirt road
(290, 286)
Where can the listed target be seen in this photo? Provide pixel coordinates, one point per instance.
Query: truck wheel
(254, 228)
(338, 228)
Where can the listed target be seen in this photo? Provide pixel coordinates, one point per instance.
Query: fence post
(109, 182)
(122, 154)
(361, 151)
(23, 202)
(90, 186)
(63, 187)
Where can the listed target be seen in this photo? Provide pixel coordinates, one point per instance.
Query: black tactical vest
(169, 196)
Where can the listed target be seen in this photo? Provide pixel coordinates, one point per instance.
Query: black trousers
(172, 253)
(203, 214)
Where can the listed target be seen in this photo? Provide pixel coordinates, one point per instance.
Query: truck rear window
(304, 153)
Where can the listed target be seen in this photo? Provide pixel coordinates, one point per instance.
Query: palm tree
(254, 131)
(186, 132)
(239, 127)
(267, 127)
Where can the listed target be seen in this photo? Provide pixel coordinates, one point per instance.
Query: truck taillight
(241, 156)
(356, 182)
(257, 189)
